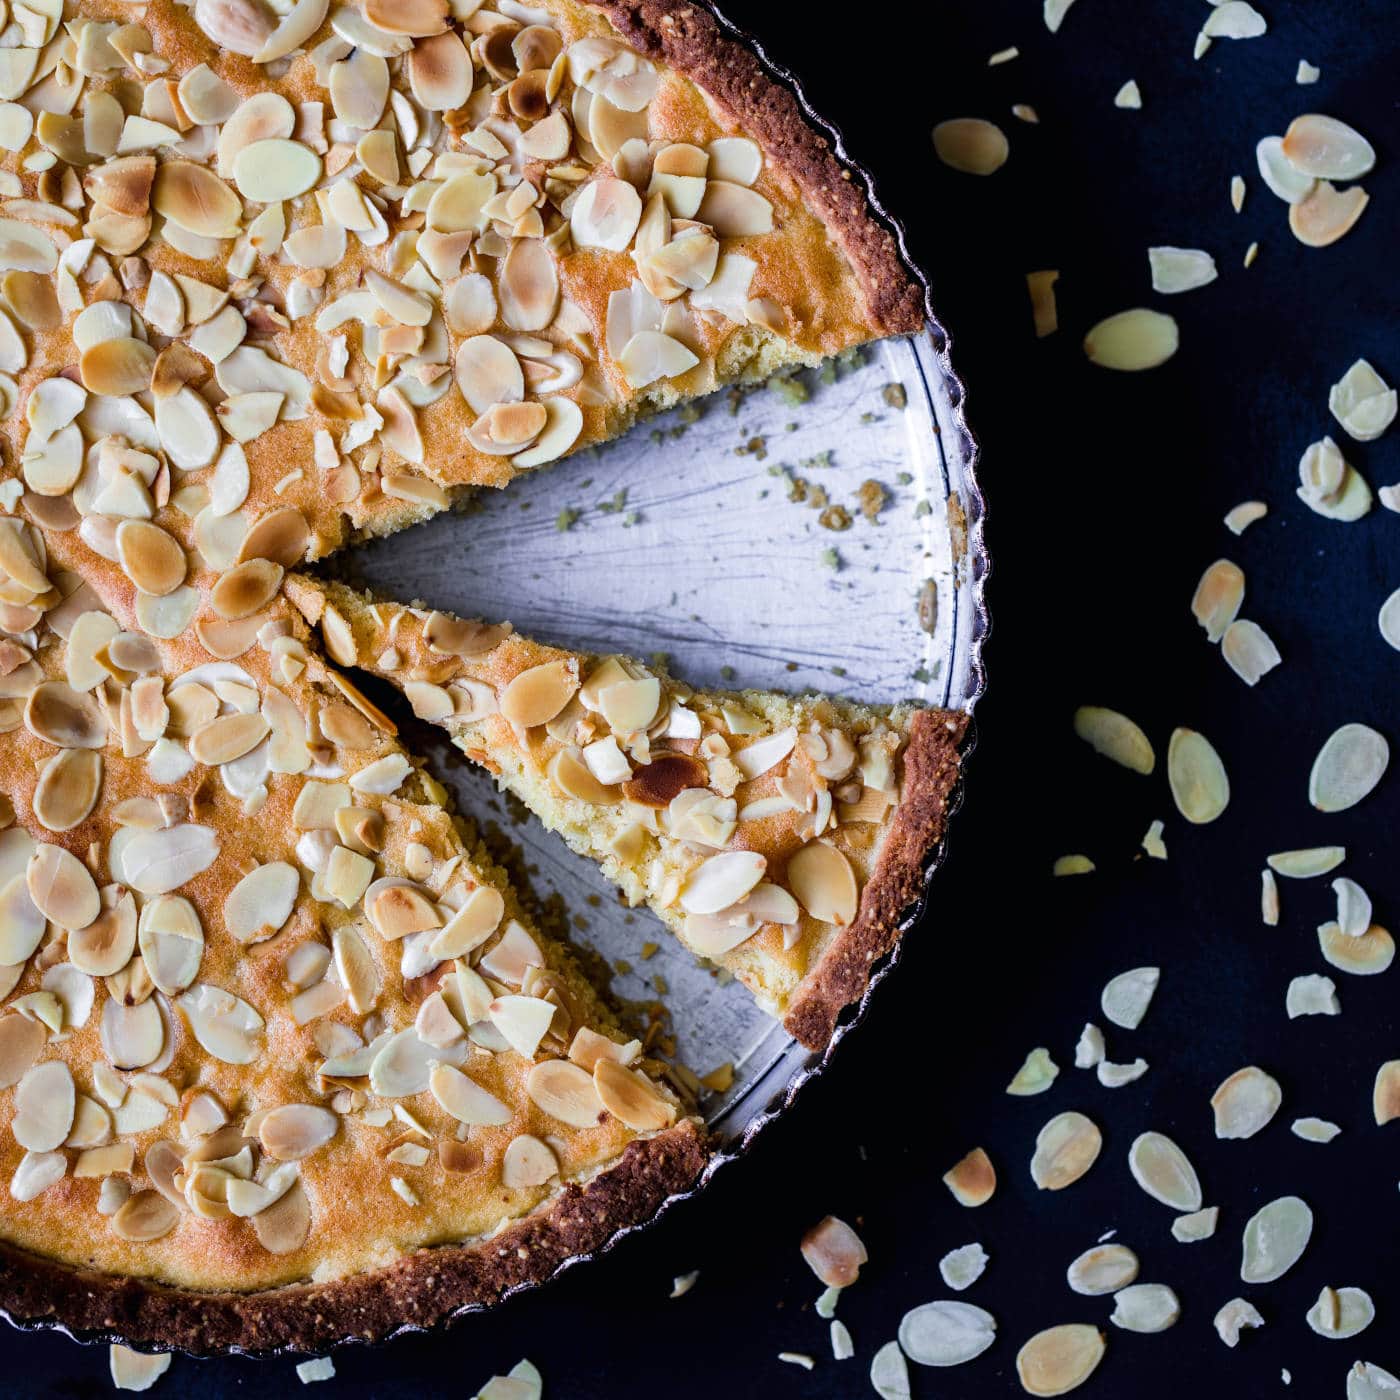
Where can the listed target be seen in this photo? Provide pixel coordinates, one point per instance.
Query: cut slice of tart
(781, 836)
(318, 272)
(283, 1059)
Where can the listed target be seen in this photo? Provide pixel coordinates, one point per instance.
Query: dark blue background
(1106, 493)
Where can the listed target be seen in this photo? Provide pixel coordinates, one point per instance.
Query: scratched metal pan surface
(699, 540)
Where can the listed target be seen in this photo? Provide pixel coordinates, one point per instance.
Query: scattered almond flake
(1234, 19)
(1199, 1225)
(1126, 997)
(683, 1283)
(1055, 12)
(1249, 651)
(1275, 1238)
(1115, 736)
(961, 1268)
(1073, 865)
(972, 1179)
(1104, 1269)
(1326, 214)
(1307, 863)
(1216, 601)
(1065, 1148)
(136, 1370)
(842, 1347)
(1250, 254)
(946, 1333)
(1385, 1094)
(1307, 72)
(1367, 1381)
(1059, 1359)
(1133, 340)
(1354, 907)
(1327, 148)
(1245, 1103)
(1113, 1076)
(1242, 516)
(1314, 1129)
(1152, 842)
(1090, 1049)
(1129, 96)
(1268, 898)
(1340, 1313)
(320, 1368)
(1044, 311)
(1025, 113)
(971, 145)
(1163, 1170)
(889, 1373)
(1347, 768)
(1237, 188)
(826, 1303)
(1390, 497)
(1362, 402)
(797, 1358)
(1180, 269)
(1145, 1307)
(1199, 785)
(1279, 174)
(1313, 995)
(1362, 954)
(1036, 1075)
(1234, 1317)
(834, 1252)
(1003, 56)
(1389, 619)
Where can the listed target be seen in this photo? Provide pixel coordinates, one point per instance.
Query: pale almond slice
(652, 355)
(61, 887)
(1364, 954)
(1242, 516)
(1281, 176)
(1054, 12)
(1275, 1238)
(606, 214)
(1245, 1103)
(1145, 1307)
(1216, 602)
(972, 1179)
(488, 373)
(104, 946)
(961, 1268)
(1126, 998)
(1340, 1313)
(535, 696)
(292, 1132)
(1198, 1225)
(527, 1162)
(1199, 785)
(283, 1227)
(1232, 19)
(1137, 339)
(823, 881)
(1065, 1148)
(1327, 214)
(1348, 767)
(971, 145)
(145, 1217)
(566, 1092)
(1163, 1170)
(1353, 907)
(1035, 1076)
(1113, 1076)
(225, 1025)
(1249, 651)
(44, 1103)
(1314, 1129)
(1362, 402)
(721, 881)
(1312, 995)
(734, 211)
(1115, 736)
(261, 902)
(1385, 1096)
(1307, 863)
(630, 1098)
(1059, 1359)
(1233, 1318)
(946, 1333)
(1327, 148)
(1090, 1049)
(1103, 1269)
(1180, 269)
(135, 1370)
(1129, 98)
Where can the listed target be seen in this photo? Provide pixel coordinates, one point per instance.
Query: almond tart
(283, 1059)
(780, 836)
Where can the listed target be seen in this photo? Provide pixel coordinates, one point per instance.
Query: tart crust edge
(417, 1291)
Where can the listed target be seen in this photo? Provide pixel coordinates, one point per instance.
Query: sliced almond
(1327, 214)
(566, 1092)
(1059, 1359)
(1218, 597)
(1104, 1269)
(1065, 1148)
(1363, 954)
(294, 1131)
(628, 1096)
(1245, 1103)
(971, 145)
(834, 1252)
(1347, 767)
(1115, 736)
(1275, 1238)
(1199, 785)
(1249, 651)
(1327, 148)
(1162, 1169)
(1145, 1307)
(946, 1333)
(972, 1179)
(1133, 340)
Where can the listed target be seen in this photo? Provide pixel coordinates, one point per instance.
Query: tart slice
(322, 271)
(781, 836)
(283, 1059)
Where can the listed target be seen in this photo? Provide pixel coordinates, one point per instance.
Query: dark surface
(1106, 493)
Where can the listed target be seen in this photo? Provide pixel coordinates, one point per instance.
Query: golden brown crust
(930, 770)
(418, 1291)
(689, 39)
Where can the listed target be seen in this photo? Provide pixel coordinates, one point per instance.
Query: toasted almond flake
(946, 1333)
(1059, 1359)
(1103, 1269)
(1137, 339)
(1145, 1307)
(465, 1099)
(1199, 1225)
(1347, 768)
(1163, 1170)
(1126, 998)
(1065, 1148)
(1249, 651)
(566, 1092)
(146, 1216)
(1327, 148)
(1180, 269)
(1340, 1313)
(1312, 995)
(1218, 596)
(1245, 1103)
(961, 1268)
(1115, 736)
(1385, 1095)
(1036, 1075)
(972, 1179)
(537, 695)
(1362, 402)
(1236, 1315)
(971, 145)
(135, 1370)
(1363, 954)
(822, 880)
(1327, 214)
(834, 1252)
(1199, 785)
